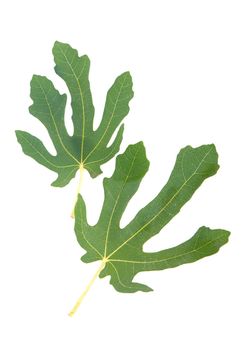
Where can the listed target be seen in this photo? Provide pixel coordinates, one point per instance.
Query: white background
(188, 60)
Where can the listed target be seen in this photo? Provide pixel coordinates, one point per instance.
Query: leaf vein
(167, 204)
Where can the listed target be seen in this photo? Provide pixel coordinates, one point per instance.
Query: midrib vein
(162, 209)
(108, 125)
(117, 199)
(55, 125)
(102, 159)
(45, 159)
(82, 231)
(81, 99)
(167, 259)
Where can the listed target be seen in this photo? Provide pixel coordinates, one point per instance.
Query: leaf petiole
(79, 301)
(81, 168)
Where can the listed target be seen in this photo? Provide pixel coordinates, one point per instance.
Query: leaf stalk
(79, 301)
(78, 190)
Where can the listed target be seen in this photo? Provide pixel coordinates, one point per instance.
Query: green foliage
(87, 148)
(121, 249)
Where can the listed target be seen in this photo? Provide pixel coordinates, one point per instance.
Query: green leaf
(87, 148)
(121, 249)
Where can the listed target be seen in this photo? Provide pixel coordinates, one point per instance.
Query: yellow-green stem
(79, 301)
(78, 190)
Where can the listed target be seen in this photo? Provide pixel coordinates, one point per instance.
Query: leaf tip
(17, 133)
(58, 44)
(127, 79)
(127, 74)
